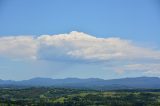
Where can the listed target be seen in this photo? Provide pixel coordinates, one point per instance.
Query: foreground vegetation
(75, 97)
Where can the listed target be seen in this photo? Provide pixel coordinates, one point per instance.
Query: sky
(105, 39)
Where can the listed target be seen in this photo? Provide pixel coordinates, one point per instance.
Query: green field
(77, 97)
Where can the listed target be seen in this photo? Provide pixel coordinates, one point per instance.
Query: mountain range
(90, 83)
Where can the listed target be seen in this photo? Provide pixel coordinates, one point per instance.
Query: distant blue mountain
(90, 83)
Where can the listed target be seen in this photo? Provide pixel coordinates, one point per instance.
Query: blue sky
(113, 32)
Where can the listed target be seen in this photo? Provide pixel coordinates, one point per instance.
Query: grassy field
(77, 97)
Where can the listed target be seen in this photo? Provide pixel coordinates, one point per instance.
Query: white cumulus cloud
(18, 47)
(78, 46)
(74, 45)
(83, 46)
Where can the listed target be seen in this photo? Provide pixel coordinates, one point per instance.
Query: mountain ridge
(91, 83)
